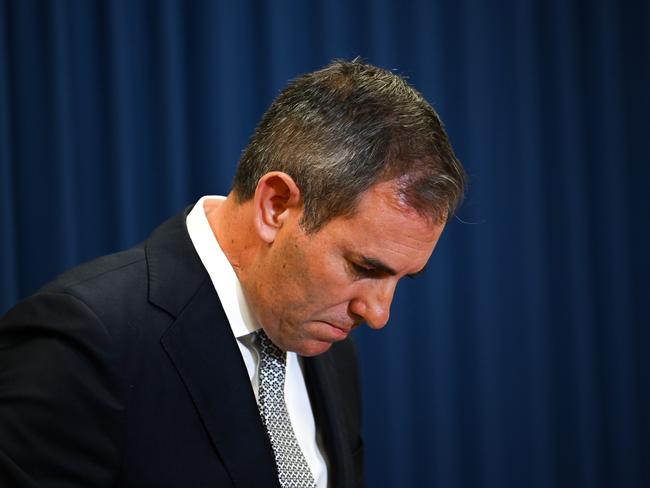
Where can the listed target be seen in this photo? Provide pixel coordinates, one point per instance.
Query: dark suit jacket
(125, 372)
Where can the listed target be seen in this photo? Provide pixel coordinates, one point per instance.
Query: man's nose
(373, 304)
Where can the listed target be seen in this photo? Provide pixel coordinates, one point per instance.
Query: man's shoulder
(89, 303)
(123, 272)
(104, 269)
(118, 285)
(106, 300)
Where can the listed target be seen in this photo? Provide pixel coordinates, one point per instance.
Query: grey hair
(339, 130)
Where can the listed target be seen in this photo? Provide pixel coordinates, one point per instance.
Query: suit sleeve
(61, 408)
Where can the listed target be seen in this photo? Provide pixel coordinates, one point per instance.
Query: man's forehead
(382, 204)
(401, 245)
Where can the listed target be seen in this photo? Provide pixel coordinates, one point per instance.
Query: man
(217, 353)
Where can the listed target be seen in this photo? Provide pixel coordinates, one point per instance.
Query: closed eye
(363, 271)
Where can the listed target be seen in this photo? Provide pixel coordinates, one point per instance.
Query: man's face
(312, 290)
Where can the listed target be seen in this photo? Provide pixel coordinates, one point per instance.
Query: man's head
(346, 186)
(342, 129)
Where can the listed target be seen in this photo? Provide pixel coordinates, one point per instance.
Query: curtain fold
(520, 358)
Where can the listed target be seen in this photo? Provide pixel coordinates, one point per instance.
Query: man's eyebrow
(378, 265)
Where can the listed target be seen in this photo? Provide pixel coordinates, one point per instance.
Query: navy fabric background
(522, 356)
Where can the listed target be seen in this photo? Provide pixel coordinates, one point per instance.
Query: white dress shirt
(243, 326)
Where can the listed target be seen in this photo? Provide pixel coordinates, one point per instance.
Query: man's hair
(340, 130)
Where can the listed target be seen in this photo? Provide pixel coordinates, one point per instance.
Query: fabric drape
(520, 358)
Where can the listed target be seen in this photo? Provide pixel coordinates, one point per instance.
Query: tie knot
(268, 348)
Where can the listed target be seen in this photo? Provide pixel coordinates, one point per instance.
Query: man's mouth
(339, 332)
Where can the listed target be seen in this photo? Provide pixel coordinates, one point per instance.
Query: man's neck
(230, 224)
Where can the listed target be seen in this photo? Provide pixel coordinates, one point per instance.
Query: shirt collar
(219, 269)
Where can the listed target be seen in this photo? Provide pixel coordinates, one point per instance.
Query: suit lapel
(204, 351)
(210, 364)
(320, 376)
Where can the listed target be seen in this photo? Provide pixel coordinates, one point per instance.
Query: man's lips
(336, 331)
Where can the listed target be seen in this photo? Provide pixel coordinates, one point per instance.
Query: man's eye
(362, 270)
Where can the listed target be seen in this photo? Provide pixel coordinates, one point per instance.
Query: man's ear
(277, 196)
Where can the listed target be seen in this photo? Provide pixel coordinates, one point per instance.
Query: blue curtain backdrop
(522, 357)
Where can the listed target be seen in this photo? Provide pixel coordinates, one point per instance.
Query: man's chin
(316, 338)
(309, 348)
(321, 337)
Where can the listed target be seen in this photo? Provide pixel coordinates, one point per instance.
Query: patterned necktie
(293, 470)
